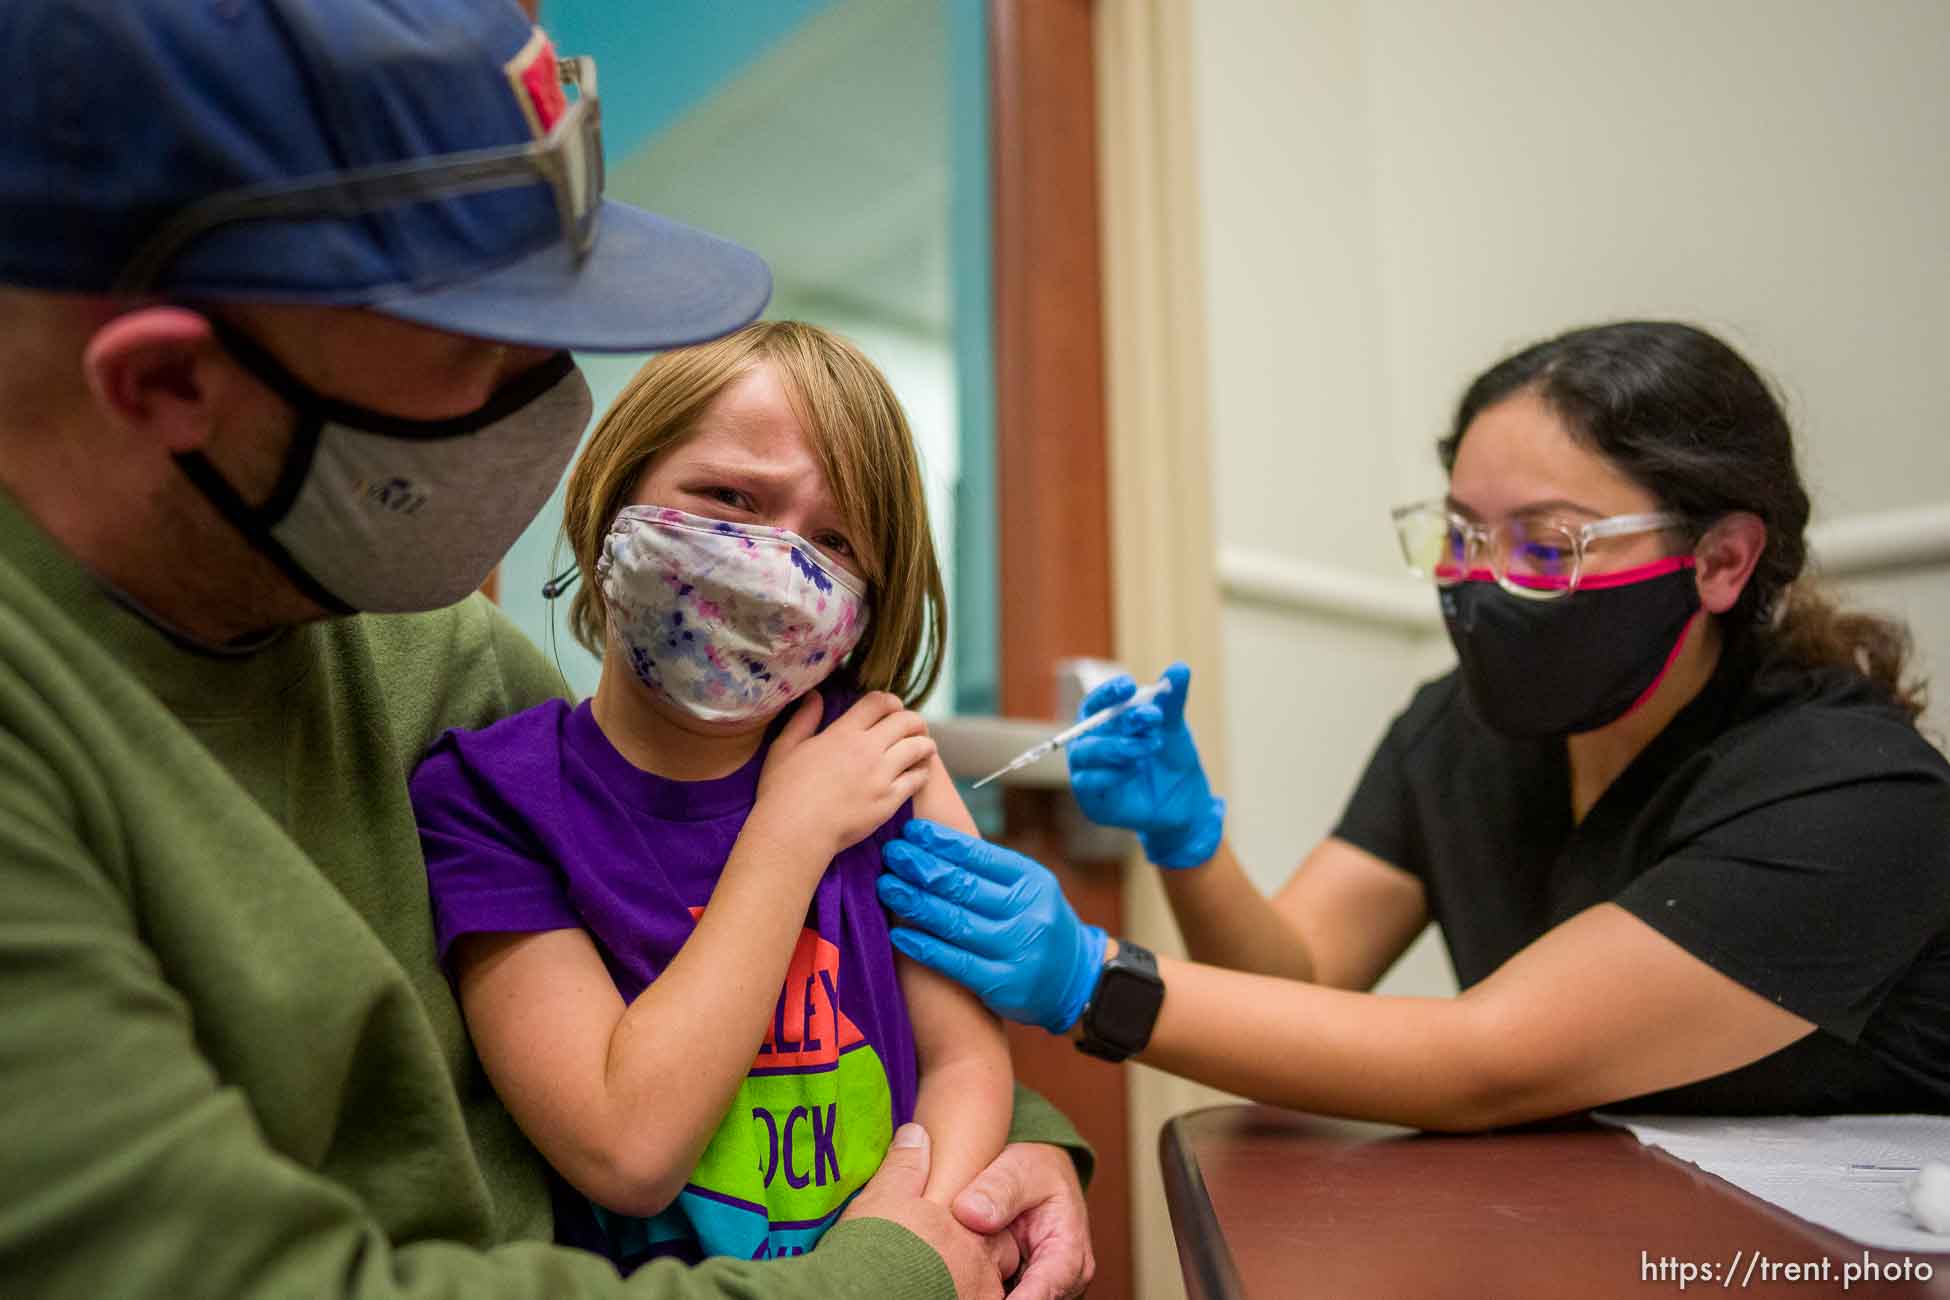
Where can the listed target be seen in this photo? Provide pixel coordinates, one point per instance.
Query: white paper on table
(1846, 1173)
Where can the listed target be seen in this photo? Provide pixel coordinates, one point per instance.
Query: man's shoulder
(471, 635)
(466, 666)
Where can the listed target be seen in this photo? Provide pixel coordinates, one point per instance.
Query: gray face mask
(374, 512)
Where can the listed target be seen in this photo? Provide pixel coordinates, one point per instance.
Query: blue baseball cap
(421, 158)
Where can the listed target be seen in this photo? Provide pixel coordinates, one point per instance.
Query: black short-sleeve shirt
(1789, 827)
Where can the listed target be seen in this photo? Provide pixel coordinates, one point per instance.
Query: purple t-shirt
(537, 823)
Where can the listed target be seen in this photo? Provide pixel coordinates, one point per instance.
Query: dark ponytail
(1688, 419)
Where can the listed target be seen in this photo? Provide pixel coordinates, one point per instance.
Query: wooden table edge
(1203, 1256)
(1212, 1272)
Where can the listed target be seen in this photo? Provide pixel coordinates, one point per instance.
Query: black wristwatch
(1118, 1019)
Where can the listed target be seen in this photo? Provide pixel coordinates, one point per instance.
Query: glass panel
(847, 141)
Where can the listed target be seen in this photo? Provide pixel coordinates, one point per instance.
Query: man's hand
(1031, 1190)
(978, 1264)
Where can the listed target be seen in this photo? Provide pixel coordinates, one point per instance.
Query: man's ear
(155, 373)
(1726, 557)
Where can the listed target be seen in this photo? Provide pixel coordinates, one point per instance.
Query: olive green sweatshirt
(229, 1064)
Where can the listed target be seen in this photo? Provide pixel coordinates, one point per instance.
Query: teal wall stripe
(976, 622)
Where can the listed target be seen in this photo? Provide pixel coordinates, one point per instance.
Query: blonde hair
(859, 436)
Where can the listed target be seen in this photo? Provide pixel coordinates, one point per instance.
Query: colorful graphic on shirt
(806, 1130)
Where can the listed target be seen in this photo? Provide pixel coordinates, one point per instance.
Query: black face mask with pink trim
(1536, 668)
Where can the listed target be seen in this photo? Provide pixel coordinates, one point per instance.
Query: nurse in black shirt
(1671, 811)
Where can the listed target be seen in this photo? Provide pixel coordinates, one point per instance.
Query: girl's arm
(622, 1098)
(966, 1084)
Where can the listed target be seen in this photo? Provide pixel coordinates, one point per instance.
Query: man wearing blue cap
(286, 293)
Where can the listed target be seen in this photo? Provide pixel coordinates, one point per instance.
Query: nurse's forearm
(1227, 922)
(1599, 1008)
(1429, 1062)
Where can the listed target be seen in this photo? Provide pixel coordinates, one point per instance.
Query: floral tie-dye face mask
(729, 622)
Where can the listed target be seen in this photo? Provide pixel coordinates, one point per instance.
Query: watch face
(1125, 1008)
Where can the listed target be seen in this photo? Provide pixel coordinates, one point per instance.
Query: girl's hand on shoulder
(842, 784)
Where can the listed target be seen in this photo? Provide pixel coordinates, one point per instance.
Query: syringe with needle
(1144, 695)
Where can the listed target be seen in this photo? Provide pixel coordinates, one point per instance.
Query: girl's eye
(725, 496)
(835, 543)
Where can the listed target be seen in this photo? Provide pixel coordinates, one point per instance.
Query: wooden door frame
(1052, 476)
(1053, 499)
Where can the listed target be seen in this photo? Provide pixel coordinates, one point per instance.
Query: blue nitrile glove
(1141, 771)
(994, 920)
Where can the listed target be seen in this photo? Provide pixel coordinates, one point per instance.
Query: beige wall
(1397, 193)
(1377, 198)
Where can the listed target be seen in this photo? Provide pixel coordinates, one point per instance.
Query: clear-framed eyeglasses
(1535, 558)
(569, 160)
